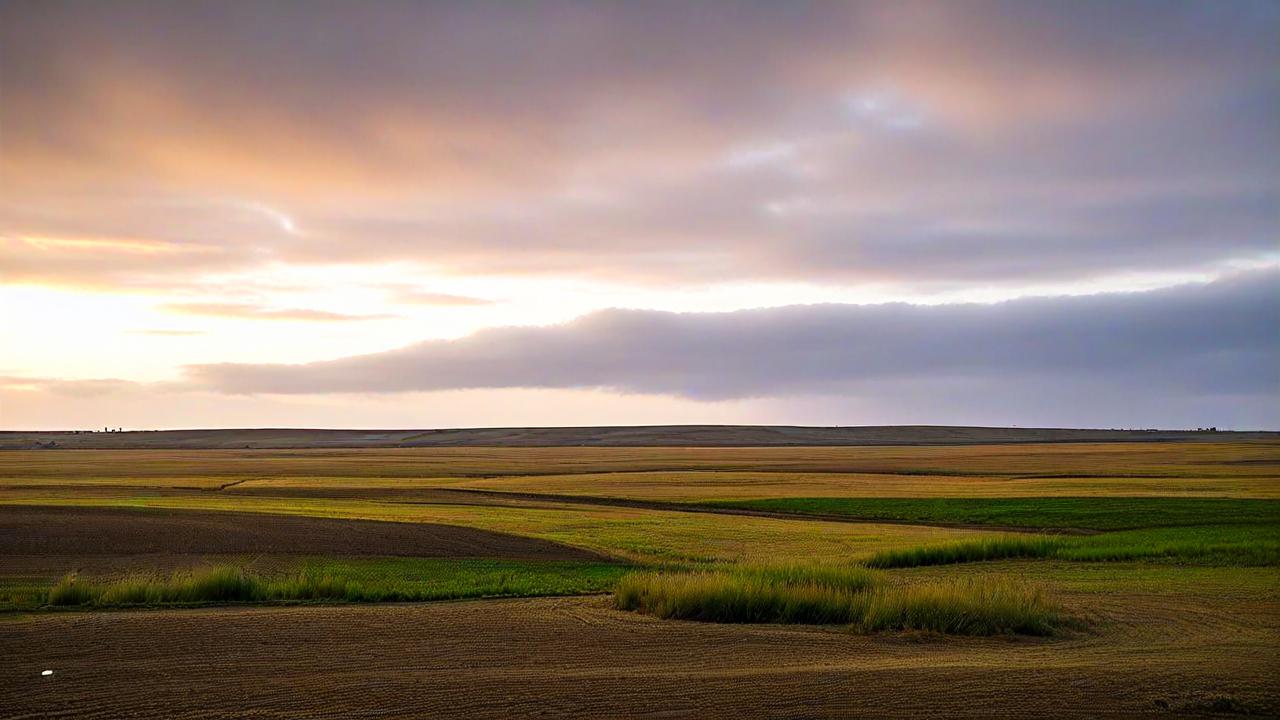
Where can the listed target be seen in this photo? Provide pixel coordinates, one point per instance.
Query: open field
(631, 533)
(1168, 461)
(1153, 567)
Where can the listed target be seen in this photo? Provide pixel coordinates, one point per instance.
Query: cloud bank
(1212, 346)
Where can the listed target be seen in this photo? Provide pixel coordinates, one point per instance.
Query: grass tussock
(855, 597)
(971, 606)
(211, 585)
(788, 594)
(989, 548)
(69, 591)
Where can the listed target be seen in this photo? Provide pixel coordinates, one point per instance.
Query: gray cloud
(994, 142)
(1213, 347)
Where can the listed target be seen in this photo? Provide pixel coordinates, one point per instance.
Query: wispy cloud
(411, 296)
(245, 311)
(164, 332)
(92, 387)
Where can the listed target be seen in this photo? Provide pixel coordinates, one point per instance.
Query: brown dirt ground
(82, 532)
(580, 658)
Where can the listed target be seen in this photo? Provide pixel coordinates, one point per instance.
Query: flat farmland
(1119, 579)
(1257, 459)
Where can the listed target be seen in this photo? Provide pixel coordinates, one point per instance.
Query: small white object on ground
(47, 672)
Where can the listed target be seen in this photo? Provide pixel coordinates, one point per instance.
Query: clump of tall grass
(70, 591)
(971, 606)
(836, 577)
(216, 584)
(1000, 547)
(315, 585)
(840, 596)
(789, 594)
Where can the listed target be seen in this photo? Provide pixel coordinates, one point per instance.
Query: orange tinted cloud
(246, 311)
(413, 296)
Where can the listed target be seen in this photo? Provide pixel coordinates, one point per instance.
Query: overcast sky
(450, 214)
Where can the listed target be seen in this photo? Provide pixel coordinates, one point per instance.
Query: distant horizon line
(283, 428)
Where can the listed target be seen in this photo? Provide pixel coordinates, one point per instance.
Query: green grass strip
(989, 548)
(375, 580)
(1092, 513)
(1223, 545)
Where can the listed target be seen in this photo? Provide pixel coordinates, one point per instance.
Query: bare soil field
(624, 436)
(1153, 655)
(66, 531)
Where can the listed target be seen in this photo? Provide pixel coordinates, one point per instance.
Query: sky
(413, 214)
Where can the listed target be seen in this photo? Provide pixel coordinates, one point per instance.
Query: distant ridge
(615, 436)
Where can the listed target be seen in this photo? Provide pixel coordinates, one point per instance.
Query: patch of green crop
(1229, 545)
(1002, 547)
(18, 592)
(1226, 545)
(1093, 513)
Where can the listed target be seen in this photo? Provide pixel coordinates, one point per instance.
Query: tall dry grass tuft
(853, 597)
(216, 584)
(751, 595)
(971, 606)
(70, 591)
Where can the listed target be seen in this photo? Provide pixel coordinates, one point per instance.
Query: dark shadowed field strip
(72, 531)
(578, 657)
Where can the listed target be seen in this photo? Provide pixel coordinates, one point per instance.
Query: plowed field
(580, 658)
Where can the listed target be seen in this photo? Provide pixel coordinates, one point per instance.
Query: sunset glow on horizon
(430, 215)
